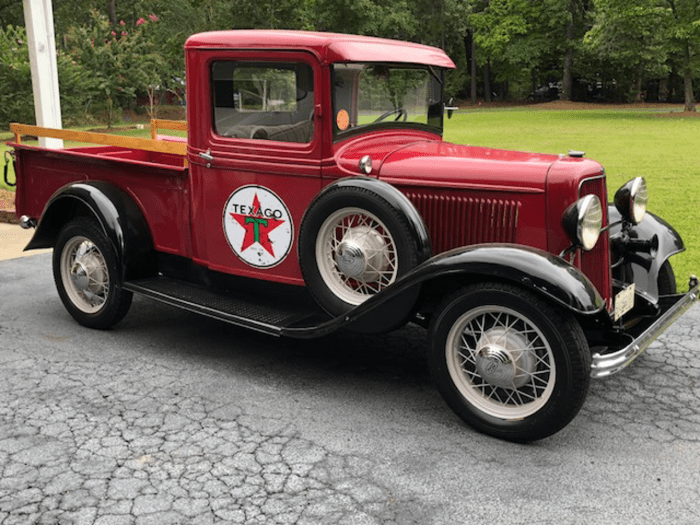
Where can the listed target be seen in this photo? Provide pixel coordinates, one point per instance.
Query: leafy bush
(122, 60)
(16, 100)
(99, 72)
(78, 90)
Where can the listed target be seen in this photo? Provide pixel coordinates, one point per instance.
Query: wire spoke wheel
(356, 255)
(509, 362)
(355, 241)
(500, 362)
(85, 274)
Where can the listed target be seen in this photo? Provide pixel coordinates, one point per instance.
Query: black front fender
(534, 269)
(644, 270)
(117, 213)
(530, 268)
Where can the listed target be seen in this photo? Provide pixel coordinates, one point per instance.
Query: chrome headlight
(582, 221)
(631, 200)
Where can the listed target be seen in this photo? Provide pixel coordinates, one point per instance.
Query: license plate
(624, 301)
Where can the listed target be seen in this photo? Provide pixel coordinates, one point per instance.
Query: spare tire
(353, 244)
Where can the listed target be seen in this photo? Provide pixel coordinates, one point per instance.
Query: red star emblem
(257, 227)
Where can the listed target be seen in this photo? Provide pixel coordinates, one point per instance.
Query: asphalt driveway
(172, 418)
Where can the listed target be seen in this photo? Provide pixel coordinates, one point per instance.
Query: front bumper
(608, 364)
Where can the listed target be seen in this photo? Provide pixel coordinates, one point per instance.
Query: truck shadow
(648, 400)
(398, 356)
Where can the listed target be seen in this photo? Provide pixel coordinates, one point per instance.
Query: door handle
(206, 156)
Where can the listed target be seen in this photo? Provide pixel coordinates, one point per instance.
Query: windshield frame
(434, 111)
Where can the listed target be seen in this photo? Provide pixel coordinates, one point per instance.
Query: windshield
(373, 95)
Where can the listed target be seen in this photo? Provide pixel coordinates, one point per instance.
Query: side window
(265, 101)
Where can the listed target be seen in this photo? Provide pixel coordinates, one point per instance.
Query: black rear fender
(116, 212)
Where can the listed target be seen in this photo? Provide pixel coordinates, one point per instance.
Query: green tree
(16, 96)
(15, 77)
(523, 41)
(684, 34)
(147, 70)
(71, 13)
(382, 18)
(575, 28)
(97, 48)
(496, 24)
(630, 36)
(11, 13)
(448, 30)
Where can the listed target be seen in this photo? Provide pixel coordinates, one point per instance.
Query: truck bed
(157, 181)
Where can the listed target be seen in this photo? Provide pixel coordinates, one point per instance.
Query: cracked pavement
(172, 418)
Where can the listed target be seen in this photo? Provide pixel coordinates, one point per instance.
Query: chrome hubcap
(79, 277)
(85, 275)
(362, 254)
(350, 259)
(88, 272)
(501, 359)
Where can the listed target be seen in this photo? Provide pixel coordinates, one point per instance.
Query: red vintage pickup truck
(314, 193)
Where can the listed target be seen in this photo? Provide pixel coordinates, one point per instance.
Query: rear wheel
(86, 272)
(508, 362)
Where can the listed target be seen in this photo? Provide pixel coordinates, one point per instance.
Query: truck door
(257, 163)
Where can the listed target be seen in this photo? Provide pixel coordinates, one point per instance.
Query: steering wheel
(401, 113)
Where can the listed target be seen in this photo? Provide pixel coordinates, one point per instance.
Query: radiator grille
(454, 221)
(596, 264)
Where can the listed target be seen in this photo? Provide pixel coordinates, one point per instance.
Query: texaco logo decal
(258, 226)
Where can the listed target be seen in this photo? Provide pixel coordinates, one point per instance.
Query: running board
(264, 314)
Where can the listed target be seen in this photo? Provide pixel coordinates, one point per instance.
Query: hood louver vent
(454, 221)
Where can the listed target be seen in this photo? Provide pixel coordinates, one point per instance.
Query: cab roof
(328, 47)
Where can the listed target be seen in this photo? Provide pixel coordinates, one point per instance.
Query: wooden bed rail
(161, 146)
(156, 124)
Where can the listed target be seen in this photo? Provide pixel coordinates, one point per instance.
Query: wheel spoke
(467, 358)
(495, 395)
(512, 395)
(529, 397)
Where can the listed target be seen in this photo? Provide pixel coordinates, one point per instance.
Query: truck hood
(448, 165)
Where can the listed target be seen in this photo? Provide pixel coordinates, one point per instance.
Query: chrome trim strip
(589, 179)
(605, 365)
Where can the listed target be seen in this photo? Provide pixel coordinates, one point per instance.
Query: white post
(38, 16)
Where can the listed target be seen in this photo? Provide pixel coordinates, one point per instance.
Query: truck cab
(267, 113)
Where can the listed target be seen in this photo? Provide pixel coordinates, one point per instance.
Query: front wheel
(508, 362)
(86, 272)
(666, 281)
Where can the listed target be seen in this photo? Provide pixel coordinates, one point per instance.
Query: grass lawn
(628, 142)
